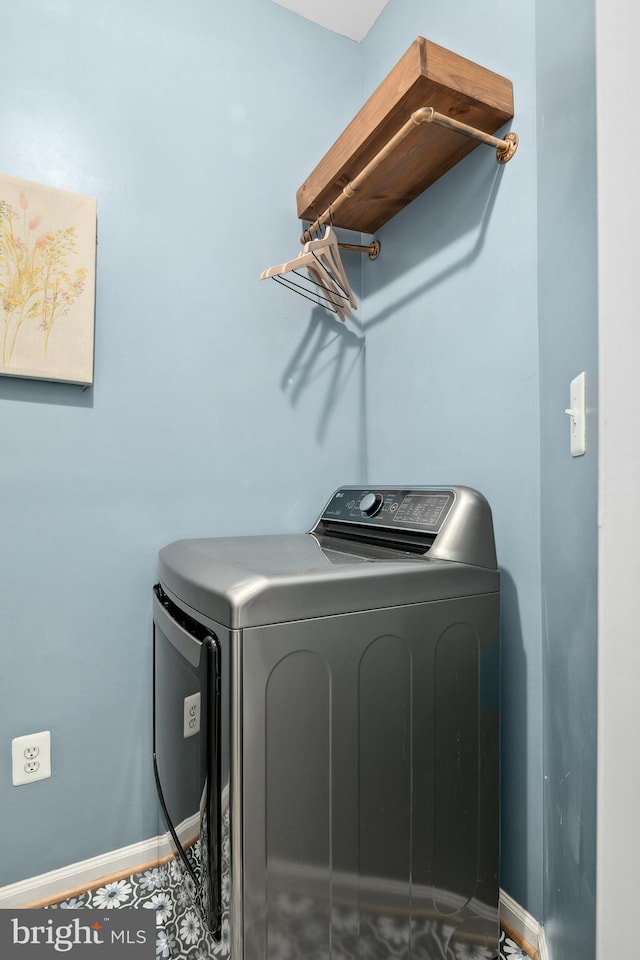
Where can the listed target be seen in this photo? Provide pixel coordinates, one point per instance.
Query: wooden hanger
(329, 284)
(318, 286)
(328, 249)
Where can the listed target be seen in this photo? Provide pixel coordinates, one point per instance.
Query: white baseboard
(542, 946)
(526, 926)
(84, 874)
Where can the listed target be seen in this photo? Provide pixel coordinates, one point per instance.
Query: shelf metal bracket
(371, 249)
(505, 149)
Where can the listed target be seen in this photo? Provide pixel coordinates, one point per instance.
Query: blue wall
(221, 404)
(481, 310)
(452, 369)
(567, 273)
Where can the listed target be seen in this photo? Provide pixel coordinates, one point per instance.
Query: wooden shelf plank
(426, 76)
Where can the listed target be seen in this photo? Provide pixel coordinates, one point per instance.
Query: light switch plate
(577, 414)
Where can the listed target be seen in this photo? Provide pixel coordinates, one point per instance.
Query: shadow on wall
(327, 348)
(436, 221)
(514, 811)
(44, 391)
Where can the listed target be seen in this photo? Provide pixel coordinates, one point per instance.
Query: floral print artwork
(47, 282)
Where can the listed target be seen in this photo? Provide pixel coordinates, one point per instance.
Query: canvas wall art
(47, 282)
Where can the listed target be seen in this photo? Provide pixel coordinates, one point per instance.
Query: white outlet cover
(191, 715)
(31, 758)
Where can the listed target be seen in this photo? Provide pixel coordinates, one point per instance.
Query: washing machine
(326, 729)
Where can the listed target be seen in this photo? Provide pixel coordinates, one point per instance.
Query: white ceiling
(349, 18)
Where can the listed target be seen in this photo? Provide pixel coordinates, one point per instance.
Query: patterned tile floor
(509, 950)
(181, 934)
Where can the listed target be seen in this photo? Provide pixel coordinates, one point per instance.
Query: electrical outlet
(191, 723)
(31, 757)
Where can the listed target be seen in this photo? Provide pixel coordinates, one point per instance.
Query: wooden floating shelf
(426, 76)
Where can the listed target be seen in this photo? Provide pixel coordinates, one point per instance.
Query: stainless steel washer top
(371, 547)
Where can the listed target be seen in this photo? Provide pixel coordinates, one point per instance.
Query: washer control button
(370, 504)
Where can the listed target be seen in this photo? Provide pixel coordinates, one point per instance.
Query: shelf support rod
(372, 249)
(505, 149)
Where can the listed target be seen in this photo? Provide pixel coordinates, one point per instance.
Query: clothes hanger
(311, 293)
(325, 277)
(326, 283)
(332, 277)
(330, 292)
(327, 248)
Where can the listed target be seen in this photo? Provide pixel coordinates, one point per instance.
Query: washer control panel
(423, 510)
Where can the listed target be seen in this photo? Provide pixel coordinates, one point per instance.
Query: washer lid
(252, 581)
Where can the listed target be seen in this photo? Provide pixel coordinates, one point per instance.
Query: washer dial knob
(370, 504)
